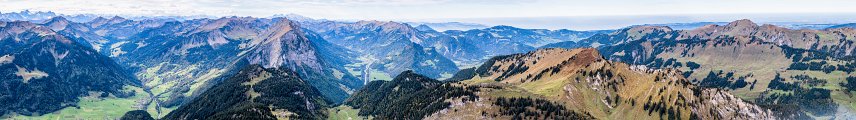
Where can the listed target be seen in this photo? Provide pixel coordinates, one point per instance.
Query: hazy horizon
(534, 14)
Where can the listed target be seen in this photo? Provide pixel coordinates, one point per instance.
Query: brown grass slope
(750, 58)
(584, 82)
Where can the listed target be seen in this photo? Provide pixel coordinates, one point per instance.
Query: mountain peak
(424, 27)
(117, 19)
(98, 22)
(99, 19)
(58, 18)
(374, 22)
(294, 17)
(648, 29)
(57, 23)
(284, 45)
(503, 27)
(742, 23)
(217, 24)
(384, 24)
(280, 28)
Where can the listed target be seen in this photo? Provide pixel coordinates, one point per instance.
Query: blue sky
(439, 10)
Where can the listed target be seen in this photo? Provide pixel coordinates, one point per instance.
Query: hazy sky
(433, 10)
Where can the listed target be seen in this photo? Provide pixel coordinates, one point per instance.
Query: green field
(92, 107)
(344, 112)
(379, 75)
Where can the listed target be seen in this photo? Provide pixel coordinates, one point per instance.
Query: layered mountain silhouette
(293, 67)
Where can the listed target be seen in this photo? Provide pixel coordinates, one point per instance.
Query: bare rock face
(722, 105)
(284, 45)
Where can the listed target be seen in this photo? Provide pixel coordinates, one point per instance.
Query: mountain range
(444, 26)
(800, 74)
(293, 67)
(551, 84)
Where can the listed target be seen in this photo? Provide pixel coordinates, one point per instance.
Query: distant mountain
(502, 40)
(552, 84)
(789, 25)
(848, 25)
(79, 32)
(796, 73)
(41, 16)
(450, 25)
(464, 48)
(685, 26)
(297, 18)
(256, 92)
(100, 34)
(471, 47)
(458, 49)
(389, 47)
(119, 28)
(425, 28)
(617, 37)
(43, 71)
(799, 25)
(27, 15)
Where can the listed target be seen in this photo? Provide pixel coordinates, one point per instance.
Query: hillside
(256, 93)
(774, 67)
(555, 84)
(42, 71)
